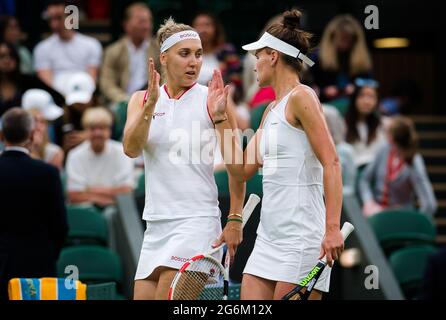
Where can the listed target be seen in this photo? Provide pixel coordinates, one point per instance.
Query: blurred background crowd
(381, 91)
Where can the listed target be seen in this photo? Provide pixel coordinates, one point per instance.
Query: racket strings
(202, 280)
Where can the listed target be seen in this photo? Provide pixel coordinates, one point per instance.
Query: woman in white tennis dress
(300, 168)
(174, 129)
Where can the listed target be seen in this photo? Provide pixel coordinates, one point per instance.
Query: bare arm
(46, 75)
(240, 165)
(93, 72)
(85, 196)
(139, 117)
(305, 107)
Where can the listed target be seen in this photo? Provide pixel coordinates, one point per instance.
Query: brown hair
(402, 131)
(288, 30)
(169, 28)
(137, 5)
(220, 36)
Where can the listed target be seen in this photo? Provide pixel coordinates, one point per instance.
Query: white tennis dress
(292, 222)
(181, 207)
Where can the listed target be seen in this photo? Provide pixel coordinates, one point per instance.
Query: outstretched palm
(217, 96)
(153, 86)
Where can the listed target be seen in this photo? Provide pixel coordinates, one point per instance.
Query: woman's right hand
(153, 86)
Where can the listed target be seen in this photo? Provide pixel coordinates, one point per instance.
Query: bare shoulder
(137, 98)
(304, 97)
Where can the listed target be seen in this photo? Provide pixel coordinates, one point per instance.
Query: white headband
(177, 37)
(270, 41)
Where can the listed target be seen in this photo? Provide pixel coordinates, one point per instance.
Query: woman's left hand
(233, 235)
(332, 245)
(217, 96)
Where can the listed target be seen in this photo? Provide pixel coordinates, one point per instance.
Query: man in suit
(124, 69)
(33, 223)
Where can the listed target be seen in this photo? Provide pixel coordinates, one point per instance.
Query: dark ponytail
(288, 30)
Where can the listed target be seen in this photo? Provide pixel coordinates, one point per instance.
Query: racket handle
(347, 228)
(249, 207)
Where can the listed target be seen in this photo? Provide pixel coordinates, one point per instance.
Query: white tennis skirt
(170, 243)
(285, 263)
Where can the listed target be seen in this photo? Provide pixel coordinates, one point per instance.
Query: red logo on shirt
(175, 258)
(158, 114)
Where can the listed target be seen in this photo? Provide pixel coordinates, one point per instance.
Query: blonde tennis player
(302, 187)
(172, 127)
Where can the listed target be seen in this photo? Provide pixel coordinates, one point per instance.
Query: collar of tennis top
(270, 41)
(177, 37)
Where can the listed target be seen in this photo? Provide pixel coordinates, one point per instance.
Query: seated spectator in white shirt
(98, 169)
(65, 51)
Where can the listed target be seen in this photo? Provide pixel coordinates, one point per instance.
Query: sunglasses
(361, 82)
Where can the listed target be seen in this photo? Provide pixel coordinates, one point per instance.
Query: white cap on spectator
(41, 100)
(79, 88)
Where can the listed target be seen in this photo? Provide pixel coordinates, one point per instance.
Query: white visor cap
(270, 41)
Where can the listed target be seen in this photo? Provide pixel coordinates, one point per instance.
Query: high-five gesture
(153, 86)
(217, 97)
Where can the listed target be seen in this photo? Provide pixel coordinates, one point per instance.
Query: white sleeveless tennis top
(178, 158)
(293, 208)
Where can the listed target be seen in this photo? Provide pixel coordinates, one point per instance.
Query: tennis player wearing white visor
(181, 209)
(300, 169)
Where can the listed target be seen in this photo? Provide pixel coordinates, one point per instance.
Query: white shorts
(285, 263)
(171, 243)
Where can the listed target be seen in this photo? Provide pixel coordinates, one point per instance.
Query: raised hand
(217, 96)
(153, 85)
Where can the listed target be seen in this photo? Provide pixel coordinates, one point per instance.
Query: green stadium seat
(254, 185)
(408, 265)
(221, 179)
(256, 116)
(86, 226)
(95, 264)
(63, 180)
(395, 229)
(234, 291)
(120, 117)
(102, 291)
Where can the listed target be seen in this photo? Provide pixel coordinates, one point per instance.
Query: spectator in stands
(337, 127)
(79, 96)
(33, 218)
(217, 53)
(397, 176)
(13, 83)
(124, 70)
(98, 169)
(40, 104)
(10, 32)
(66, 51)
(220, 55)
(365, 127)
(343, 56)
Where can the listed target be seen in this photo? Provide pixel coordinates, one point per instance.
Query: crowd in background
(69, 73)
(75, 89)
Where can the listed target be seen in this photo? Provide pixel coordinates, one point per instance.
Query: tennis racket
(303, 289)
(203, 277)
